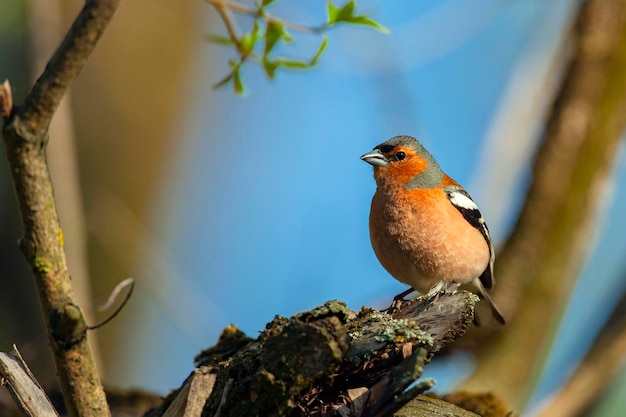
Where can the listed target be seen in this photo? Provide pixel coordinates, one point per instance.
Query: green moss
(267, 376)
(333, 308)
(403, 330)
(372, 331)
(272, 371)
(274, 327)
(304, 351)
(41, 265)
(260, 394)
(230, 342)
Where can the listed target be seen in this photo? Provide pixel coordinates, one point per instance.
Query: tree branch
(327, 361)
(68, 60)
(544, 253)
(23, 386)
(25, 137)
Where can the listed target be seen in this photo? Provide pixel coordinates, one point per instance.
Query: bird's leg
(400, 297)
(441, 288)
(452, 288)
(397, 301)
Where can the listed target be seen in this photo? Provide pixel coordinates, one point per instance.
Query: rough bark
(23, 386)
(45, 30)
(25, 133)
(329, 361)
(123, 403)
(427, 406)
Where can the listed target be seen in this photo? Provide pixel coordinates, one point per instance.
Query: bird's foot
(436, 291)
(439, 289)
(397, 301)
(452, 288)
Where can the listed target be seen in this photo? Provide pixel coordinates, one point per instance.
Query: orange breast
(420, 238)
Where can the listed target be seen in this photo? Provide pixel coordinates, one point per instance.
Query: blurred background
(230, 209)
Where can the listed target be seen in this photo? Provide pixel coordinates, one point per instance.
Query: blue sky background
(265, 208)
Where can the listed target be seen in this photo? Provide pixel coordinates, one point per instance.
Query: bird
(426, 230)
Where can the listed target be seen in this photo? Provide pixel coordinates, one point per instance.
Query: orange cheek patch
(400, 172)
(405, 171)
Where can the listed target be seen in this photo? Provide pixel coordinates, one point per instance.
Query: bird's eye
(399, 156)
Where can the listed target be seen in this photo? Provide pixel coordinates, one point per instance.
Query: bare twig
(46, 28)
(193, 394)
(229, 22)
(65, 64)
(25, 137)
(248, 11)
(24, 388)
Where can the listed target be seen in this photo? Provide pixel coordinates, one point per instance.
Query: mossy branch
(25, 133)
(326, 361)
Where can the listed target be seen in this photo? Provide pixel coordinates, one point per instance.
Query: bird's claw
(397, 301)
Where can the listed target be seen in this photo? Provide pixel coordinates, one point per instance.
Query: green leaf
(236, 66)
(255, 28)
(270, 68)
(333, 11)
(220, 40)
(292, 63)
(275, 31)
(340, 14)
(273, 34)
(345, 14)
(287, 38)
(346, 11)
(246, 44)
(237, 84)
(249, 40)
(320, 51)
(363, 20)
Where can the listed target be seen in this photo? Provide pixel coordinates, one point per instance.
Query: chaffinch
(425, 229)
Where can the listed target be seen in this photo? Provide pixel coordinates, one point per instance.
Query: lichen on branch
(327, 360)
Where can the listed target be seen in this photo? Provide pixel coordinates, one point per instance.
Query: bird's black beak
(375, 158)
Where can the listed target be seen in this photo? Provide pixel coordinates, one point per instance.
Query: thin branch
(23, 386)
(544, 253)
(46, 29)
(229, 22)
(66, 63)
(25, 137)
(269, 31)
(248, 11)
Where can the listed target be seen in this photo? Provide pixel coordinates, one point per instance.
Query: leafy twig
(269, 31)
